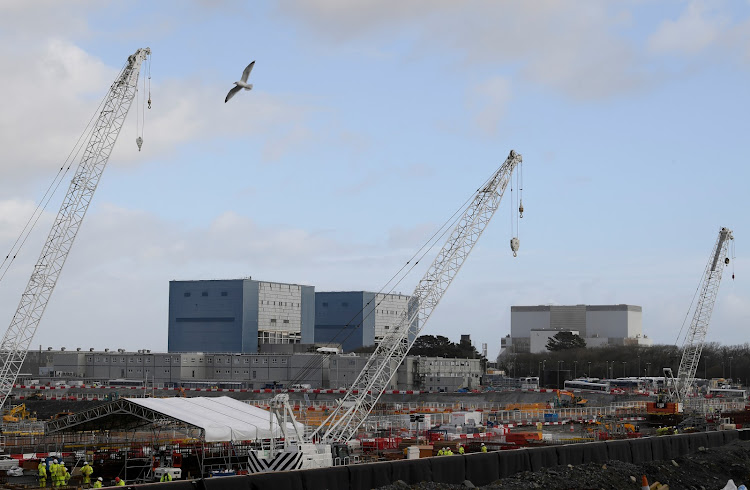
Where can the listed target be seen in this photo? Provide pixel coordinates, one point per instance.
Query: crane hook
(514, 244)
(139, 142)
(520, 209)
(149, 101)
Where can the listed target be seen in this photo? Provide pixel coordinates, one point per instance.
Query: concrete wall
(523, 319)
(539, 338)
(479, 468)
(615, 321)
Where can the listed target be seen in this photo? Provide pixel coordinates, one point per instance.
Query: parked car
(6, 462)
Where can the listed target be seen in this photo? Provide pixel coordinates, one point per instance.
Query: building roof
(220, 418)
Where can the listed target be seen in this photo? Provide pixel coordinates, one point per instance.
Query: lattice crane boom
(361, 397)
(34, 299)
(696, 336)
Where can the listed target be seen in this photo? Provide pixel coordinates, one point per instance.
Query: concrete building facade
(597, 324)
(356, 319)
(238, 315)
(250, 371)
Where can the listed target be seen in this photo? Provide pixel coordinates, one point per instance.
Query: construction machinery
(566, 399)
(330, 442)
(35, 297)
(18, 413)
(682, 385)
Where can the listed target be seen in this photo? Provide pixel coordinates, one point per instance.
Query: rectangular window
(345, 304)
(325, 305)
(224, 293)
(247, 361)
(255, 374)
(286, 321)
(275, 361)
(187, 295)
(273, 320)
(283, 360)
(204, 293)
(255, 360)
(265, 360)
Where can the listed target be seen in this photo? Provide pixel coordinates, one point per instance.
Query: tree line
(611, 361)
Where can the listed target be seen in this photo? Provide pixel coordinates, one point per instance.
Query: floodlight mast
(342, 424)
(34, 299)
(696, 336)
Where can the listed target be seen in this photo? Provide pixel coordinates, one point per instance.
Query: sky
(370, 123)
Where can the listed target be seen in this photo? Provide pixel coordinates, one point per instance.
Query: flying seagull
(242, 83)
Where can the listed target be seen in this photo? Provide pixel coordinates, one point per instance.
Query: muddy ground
(709, 469)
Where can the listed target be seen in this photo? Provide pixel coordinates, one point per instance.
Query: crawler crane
(359, 400)
(35, 297)
(680, 387)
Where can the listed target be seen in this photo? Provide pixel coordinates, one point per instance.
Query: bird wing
(247, 71)
(231, 93)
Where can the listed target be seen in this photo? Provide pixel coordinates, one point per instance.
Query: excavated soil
(708, 469)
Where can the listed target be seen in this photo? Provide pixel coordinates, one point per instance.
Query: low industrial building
(301, 366)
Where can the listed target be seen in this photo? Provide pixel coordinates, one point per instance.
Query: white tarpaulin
(221, 418)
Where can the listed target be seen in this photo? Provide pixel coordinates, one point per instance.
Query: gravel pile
(708, 469)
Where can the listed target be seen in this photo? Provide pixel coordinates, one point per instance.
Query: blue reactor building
(238, 315)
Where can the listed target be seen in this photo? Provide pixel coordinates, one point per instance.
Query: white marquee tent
(221, 418)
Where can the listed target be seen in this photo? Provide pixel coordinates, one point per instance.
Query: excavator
(18, 413)
(571, 401)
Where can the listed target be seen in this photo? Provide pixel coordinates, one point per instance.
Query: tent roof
(221, 418)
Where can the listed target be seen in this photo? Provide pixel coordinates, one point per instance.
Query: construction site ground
(709, 469)
(46, 408)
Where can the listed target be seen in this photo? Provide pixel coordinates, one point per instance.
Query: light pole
(624, 363)
(648, 369)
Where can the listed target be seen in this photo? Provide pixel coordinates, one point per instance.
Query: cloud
(489, 100)
(578, 51)
(697, 29)
(117, 274)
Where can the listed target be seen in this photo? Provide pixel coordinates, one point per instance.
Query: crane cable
(424, 250)
(23, 236)
(140, 108)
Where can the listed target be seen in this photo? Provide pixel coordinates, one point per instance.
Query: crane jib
(103, 136)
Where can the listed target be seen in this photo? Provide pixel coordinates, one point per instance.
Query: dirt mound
(707, 469)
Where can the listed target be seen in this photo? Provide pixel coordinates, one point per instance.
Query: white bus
(126, 383)
(578, 384)
(727, 392)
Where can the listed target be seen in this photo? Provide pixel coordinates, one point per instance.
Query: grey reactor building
(599, 325)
